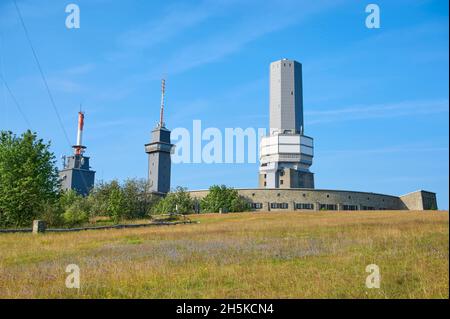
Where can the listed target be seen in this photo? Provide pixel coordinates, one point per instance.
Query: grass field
(247, 255)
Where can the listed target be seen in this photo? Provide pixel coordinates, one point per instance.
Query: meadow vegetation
(240, 255)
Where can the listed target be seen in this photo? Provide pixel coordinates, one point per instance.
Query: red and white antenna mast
(79, 148)
(163, 92)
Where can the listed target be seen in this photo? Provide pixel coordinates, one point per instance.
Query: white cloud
(261, 21)
(362, 112)
(251, 21)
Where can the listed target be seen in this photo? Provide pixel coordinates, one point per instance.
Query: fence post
(38, 226)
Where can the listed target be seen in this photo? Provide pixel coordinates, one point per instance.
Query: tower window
(281, 181)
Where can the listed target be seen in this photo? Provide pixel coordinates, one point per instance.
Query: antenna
(79, 148)
(163, 91)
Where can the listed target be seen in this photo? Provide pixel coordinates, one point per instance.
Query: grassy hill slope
(247, 255)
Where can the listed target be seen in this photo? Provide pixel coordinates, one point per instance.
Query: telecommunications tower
(76, 173)
(159, 151)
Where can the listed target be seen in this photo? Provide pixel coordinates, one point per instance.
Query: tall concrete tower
(159, 151)
(286, 97)
(76, 173)
(286, 154)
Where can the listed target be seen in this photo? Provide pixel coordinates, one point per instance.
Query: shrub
(52, 214)
(138, 199)
(129, 200)
(75, 217)
(178, 200)
(75, 209)
(99, 197)
(225, 198)
(116, 205)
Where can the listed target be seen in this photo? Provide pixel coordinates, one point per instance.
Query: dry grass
(250, 255)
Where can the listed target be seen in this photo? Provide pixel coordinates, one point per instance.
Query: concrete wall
(321, 199)
(420, 200)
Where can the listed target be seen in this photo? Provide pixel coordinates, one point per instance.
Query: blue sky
(375, 100)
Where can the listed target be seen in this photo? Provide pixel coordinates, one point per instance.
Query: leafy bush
(74, 216)
(178, 200)
(99, 197)
(129, 200)
(52, 214)
(225, 198)
(138, 200)
(116, 205)
(75, 209)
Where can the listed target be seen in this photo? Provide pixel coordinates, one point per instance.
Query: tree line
(30, 189)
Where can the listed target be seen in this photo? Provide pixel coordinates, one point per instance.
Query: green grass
(248, 255)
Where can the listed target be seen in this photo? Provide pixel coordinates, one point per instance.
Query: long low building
(276, 199)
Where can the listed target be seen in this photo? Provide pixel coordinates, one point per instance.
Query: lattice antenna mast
(163, 92)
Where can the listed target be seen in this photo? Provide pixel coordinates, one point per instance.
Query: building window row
(256, 205)
(310, 206)
(328, 207)
(304, 206)
(279, 205)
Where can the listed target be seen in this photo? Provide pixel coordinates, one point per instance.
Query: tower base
(286, 178)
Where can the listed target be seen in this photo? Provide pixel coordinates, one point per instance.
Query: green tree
(178, 200)
(76, 214)
(138, 199)
(75, 208)
(29, 181)
(135, 199)
(225, 198)
(116, 205)
(99, 197)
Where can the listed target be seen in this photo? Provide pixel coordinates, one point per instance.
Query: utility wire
(42, 73)
(16, 103)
